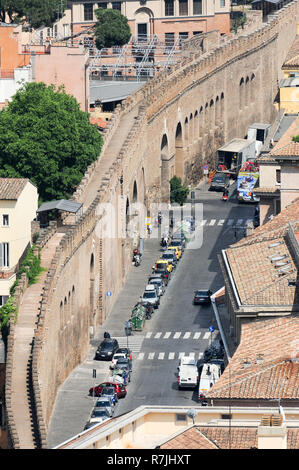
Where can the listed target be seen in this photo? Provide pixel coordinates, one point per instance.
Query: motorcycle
(137, 260)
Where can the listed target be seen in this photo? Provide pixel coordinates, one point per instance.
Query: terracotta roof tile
(11, 188)
(265, 364)
(224, 437)
(285, 146)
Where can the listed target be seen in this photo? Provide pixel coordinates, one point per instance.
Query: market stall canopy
(62, 205)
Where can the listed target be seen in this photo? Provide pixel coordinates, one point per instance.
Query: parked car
(187, 372)
(125, 351)
(202, 297)
(220, 182)
(151, 296)
(105, 402)
(178, 251)
(111, 393)
(170, 256)
(106, 349)
(179, 236)
(99, 415)
(157, 276)
(120, 390)
(162, 271)
(163, 264)
(159, 284)
(124, 361)
(178, 243)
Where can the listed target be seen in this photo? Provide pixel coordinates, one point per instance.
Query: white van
(209, 376)
(187, 372)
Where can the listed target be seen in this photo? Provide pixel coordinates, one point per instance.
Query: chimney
(272, 432)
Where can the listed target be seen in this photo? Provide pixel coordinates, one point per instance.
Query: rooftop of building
(223, 437)
(265, 365)
(11, 188)
(262, 264)
(286, 147)
(292, 58)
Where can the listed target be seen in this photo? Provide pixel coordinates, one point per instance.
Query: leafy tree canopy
(35, 12)
(45, 136)
(178, 192)
(111, 29)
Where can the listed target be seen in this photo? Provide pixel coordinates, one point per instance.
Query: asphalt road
(177, 327)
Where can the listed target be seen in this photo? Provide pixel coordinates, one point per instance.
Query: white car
(98, 416)
(115, 359)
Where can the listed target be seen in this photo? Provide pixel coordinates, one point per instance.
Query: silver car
(151, 296)
(159, 284)
(105, 403)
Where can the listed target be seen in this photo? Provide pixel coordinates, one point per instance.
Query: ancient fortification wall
(184, 114)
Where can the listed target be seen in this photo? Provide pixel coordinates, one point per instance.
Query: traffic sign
(109, 293)
(206, 167)
(211, 329)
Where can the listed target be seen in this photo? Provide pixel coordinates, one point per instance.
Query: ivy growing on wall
(31, 266)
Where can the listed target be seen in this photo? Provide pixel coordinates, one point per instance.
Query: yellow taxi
(163, 264)
(178, 252)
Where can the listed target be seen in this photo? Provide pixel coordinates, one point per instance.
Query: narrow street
(178, 327)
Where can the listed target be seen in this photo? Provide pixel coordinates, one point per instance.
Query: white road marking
(221, 222)
(206, 335)
(213, 221)
(171, 355)
(148, 334)
(177, 335)
(203, 222)
(161, 355)
(166, 336)
(230, 221)
(151, 355)
(187, 335)
(197, 335)
(181, 354)
(140, 356)
(157, 335)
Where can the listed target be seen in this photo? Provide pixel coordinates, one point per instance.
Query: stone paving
(24, 332)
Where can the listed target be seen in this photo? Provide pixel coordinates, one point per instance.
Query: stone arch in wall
(252, 85)
(247, 92)
(241, 93)
(179, 151)
(196, 126)
(201, 121)
(191, 129)
(135, 192)
(165, 169)
(211, 114)
(217, 111)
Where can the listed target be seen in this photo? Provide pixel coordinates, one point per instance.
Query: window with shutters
(4, 255)
(197, 7)
(169, 7)
(183, 7)
(88, 11)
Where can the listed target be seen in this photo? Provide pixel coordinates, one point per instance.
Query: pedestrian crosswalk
(170, 356)
(179, 335)
(135, 343)
(224, 222)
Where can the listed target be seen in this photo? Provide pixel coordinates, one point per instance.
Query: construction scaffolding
(140, 59)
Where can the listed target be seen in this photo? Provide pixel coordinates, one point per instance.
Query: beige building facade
(149, 17)
(18, 205)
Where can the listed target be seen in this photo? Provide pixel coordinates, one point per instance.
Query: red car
(120, 389)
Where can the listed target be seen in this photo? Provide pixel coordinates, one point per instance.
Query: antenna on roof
(272, 245)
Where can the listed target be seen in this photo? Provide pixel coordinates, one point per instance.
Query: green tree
(111, 29)
(178, 192)
(35, 12)
(45, 136)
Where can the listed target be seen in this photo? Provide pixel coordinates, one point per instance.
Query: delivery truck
(232, 156)
(258, 131)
